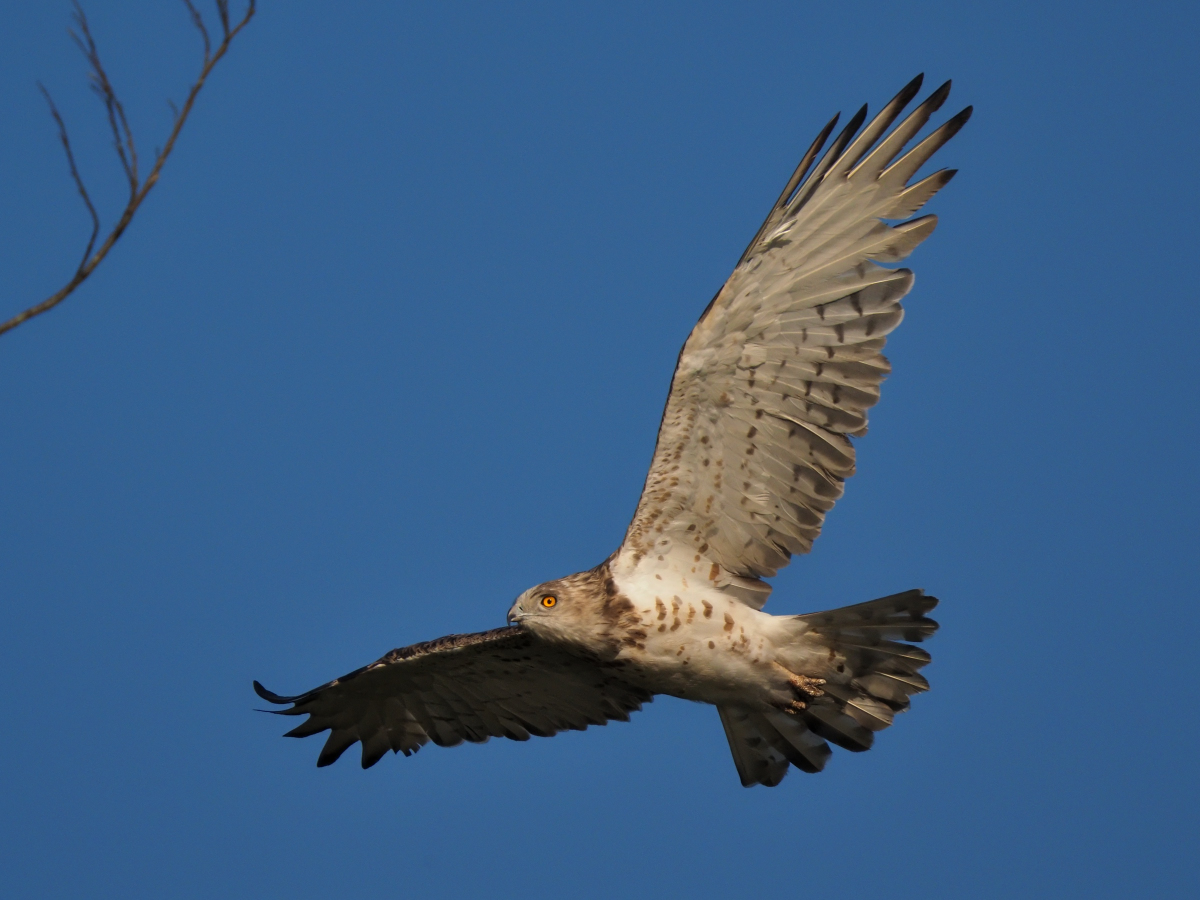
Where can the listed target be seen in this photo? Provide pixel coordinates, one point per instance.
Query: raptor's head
(561, 610)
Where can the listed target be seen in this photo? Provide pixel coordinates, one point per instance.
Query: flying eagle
(753, 450)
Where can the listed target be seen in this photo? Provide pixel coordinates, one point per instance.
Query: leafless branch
(123, 142)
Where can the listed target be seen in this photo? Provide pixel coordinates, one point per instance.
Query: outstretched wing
(780, 370)
(463, 687)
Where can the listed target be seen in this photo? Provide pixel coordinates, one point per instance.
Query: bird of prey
(753, 450)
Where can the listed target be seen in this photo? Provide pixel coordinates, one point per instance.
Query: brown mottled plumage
(753, 450)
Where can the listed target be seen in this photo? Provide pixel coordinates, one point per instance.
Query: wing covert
(778, 374)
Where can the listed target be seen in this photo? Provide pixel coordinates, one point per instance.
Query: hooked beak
(513, 615)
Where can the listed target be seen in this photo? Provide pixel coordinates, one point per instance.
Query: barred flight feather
(794, 336)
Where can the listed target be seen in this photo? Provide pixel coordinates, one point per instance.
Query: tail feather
(869, 675)
(895, 617)
(826, 719)
(893, 687)
(757, 760)
(765, 743)
(812, 750)
(868, 711)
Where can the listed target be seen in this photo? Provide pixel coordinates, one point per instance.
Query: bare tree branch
(123, 142)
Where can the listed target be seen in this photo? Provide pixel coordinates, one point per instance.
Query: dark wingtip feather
(376, 754)
(788, 191)
(856, 123)
(271, 696)
(954, 125)
(801, 170)
(336, 744)
(910, 90)
(305, 729)
(938, 97)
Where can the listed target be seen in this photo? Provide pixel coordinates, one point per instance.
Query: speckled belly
(706, 648)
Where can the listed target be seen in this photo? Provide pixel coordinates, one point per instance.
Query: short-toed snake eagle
(753, 450)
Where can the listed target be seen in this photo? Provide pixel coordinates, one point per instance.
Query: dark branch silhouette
(123, 143)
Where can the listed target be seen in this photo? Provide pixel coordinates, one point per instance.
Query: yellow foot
(810, 687)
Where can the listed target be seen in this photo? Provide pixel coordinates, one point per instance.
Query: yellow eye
(549, 600)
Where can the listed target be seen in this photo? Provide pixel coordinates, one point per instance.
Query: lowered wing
(463, 687)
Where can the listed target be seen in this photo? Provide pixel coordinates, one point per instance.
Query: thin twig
(198, 21)
(122, 135)
(123, 139)
(87, 201)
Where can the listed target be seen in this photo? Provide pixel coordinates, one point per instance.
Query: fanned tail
(872, 669)
(868, 670)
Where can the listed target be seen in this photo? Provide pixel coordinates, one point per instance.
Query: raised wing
(780, 370)
(464, 687)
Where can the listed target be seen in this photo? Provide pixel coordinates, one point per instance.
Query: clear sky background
(389, 344)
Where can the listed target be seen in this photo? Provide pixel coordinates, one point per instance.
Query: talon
(795, 707)
(810, 686)
(803, 684)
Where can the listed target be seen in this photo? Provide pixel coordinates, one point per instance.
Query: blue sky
(389, 344)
